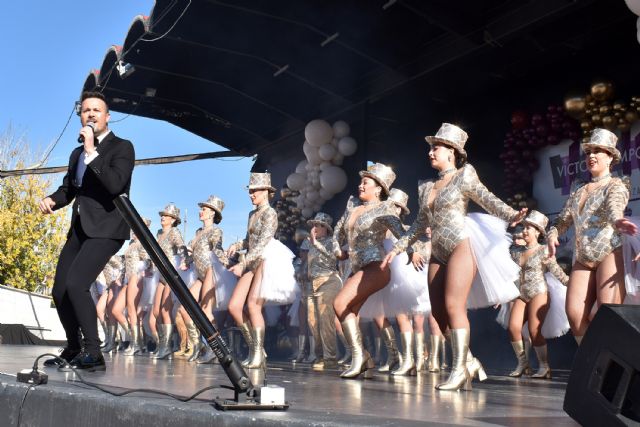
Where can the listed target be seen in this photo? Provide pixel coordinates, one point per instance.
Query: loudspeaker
(604, 385)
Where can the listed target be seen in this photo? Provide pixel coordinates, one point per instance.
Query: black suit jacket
(106, 177)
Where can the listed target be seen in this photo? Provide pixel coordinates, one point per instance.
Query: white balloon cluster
(634, 6)
(320, 177)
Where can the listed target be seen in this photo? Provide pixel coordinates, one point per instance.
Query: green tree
(30, 242)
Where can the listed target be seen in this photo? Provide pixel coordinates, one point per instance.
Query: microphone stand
(245, 395)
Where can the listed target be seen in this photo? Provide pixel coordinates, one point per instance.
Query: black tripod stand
(246, 396)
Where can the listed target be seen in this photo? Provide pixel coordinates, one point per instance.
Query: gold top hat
(321, 218)
(216, 204)
(146, 221)
(452, 136)
(382, 174)
(400, 198)
(537, 220)
(260, 181)
(172, 211)
(604, 139)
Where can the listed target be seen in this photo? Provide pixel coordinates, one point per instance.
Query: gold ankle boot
(435, 343)
(393, 359)
(361, 362)
(475, 368)
(408, 366)
(195, 345)
(523, 363)
(257, 354)
(419, 341)
(245, 329)
(544, 371)
(459, 377)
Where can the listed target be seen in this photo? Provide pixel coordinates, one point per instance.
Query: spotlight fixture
(125, 69)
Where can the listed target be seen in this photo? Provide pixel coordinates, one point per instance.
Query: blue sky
(48, 50)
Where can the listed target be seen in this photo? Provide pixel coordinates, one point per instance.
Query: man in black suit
(99, 170)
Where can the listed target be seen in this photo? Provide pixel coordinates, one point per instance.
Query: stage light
(125, 69)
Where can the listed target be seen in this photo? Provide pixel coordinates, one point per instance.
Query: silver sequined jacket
(132, 255)
(596, 236)
(172, 243)
(532, 269)
(262, 226)
(367, 232)
(446, 216)
(207, 241)
(321, 259)
(113, 270)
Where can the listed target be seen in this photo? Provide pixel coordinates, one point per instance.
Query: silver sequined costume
(262, 226)
(207, 241)
(366, 232)
(596, 236)
(132, 256)
(532, 281)
(446, 216)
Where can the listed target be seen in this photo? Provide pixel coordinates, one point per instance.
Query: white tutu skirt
(139, 270)
(149, 286)
(225, 282)
(189, 277)
(408, 288)
(630, 248)
(278, 285)
(497, 272)
(555, 323)
(375, 305)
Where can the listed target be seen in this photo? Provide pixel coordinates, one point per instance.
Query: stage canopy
(248, 74)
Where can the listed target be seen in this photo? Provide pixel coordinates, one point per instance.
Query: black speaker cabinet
(604, 385)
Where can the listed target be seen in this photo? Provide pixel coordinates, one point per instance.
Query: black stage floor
(316, 398)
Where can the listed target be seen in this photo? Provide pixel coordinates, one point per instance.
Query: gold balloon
(631, 116)
(602, 91)
(591, 104)
(575, 106)
(605, 109)
(517, 196)
(585, 139)
(586, 125)
(623, 125)
(609, 122)
(618, 106)
(596, 119)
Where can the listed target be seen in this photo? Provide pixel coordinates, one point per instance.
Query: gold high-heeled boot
(393, 359)
(361, 362)
(165, 351)
(195, 345)
(435, 344)
(544, 371)
(408, 366)
(245, 329)
(475, 368)
(258, 359)
(419, 341)
(523, 362)
(459, 377)
(346, 358)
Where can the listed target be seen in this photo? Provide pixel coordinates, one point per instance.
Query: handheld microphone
(93, 128)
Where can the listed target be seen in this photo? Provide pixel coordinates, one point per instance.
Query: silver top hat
(260, 181)
(537, 220)
(172, 211)
(216, 204)
(452, 136)
(321, 218)
(604, 139)
(400, 198)
(382, 174)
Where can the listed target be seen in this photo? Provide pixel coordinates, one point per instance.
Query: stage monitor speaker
(604, 385)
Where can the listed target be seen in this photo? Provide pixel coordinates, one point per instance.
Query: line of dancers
(370, 265)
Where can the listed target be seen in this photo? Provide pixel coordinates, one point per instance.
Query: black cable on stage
(125, 390)
(24, 399)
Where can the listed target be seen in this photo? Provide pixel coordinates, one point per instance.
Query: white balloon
(341, 129)
(325, 194)
(317, 207)
(295, 181)
(327, 151)
(307, 212)
(347, 146)
(307, 148)
(338, 159)
(313, 157)
(324, 165)
(333, 179)
(313, 195)
(318, 132)
(302, 166)
(334, 142)
(634, 6)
